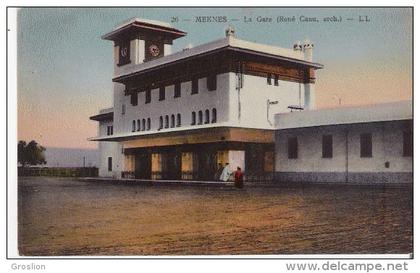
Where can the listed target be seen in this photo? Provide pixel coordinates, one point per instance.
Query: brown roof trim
(209, 130)
(103, 117)
(235, 49)
(282, 58)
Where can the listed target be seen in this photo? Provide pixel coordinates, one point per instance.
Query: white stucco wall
(167, 49)
(253, 100)
(387, 145)
(183, 105)
(108, 149)
(103, 127)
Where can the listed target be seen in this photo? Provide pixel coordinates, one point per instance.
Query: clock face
(154, 50)
(124, 51)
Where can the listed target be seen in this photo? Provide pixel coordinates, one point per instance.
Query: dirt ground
(60, 216)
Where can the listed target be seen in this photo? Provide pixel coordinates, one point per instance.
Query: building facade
(358, 145)
(183, 115)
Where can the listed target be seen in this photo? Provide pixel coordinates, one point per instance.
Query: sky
(65, 69)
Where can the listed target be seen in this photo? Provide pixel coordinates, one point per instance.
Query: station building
(181, 115)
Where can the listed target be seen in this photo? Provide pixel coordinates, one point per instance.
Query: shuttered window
(292, 147)
(327, 146)
(194, 86)
(366, 145)
(177, 90)
(212, 82)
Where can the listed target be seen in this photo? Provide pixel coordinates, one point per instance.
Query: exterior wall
(110, 149)
(253, 103)
(103, 127)
(237, 158)
(183, 105)
(310, 102)
(253, 100)
(167, 49)
(387, 146)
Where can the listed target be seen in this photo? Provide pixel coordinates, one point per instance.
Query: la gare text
(278, 19)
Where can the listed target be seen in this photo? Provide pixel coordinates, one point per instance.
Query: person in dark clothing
(239, 178)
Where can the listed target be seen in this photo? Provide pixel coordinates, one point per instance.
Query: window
(162, 93)
(143, 122)
(134, 99)
(148, 96)
(327, 146)
(109, 130)
(366, 145)
(172, 121)
(193, 118)
(212, 82)
(200, 117)
(408, 143)
(166, 121)
(276, 80)
(177, 90)
(207, 116)
(194, 86)
(110, 164)
(292, 147)
(138, 125)
(149, 124)
(269, 79)
(160, 122)
(133, 127)
(123, 109)
(178, 120)
(213, 115)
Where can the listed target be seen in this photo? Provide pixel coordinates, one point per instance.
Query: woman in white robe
(225, 173)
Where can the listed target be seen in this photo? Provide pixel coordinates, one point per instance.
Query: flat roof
(401, 110)
(232, 43)
(136, 24)
(104, 114)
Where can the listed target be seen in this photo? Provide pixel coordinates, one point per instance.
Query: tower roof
(137, 25)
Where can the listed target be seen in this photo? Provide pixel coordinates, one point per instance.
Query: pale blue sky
(65, 69)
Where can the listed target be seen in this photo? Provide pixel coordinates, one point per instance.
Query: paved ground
(69, 217)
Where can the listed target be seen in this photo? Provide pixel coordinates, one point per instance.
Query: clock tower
(140, 40)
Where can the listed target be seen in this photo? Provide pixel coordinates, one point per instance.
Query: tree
(31, 153)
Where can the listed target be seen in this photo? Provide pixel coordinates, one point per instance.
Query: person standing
(239, 178)
(225, 173)
(218, 172)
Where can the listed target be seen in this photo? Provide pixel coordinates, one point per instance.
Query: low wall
(56, 171)
(342, 177)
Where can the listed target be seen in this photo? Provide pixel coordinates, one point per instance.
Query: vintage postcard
(241, 132)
